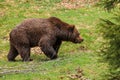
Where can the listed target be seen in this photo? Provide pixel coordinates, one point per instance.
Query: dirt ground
(74, 4)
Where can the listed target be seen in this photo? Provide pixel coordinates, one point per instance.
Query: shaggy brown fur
(46, 33)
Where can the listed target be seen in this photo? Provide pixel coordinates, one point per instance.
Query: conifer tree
(110, 30)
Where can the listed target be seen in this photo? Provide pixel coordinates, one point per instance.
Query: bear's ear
(71, 28)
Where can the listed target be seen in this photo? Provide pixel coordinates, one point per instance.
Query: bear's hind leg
(12, 53)
(24, 53)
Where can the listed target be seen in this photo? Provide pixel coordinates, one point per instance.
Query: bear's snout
(79, 39)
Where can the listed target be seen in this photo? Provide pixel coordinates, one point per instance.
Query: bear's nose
(82, 40)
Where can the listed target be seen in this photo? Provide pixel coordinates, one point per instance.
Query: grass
(71, 56)
(52, 70)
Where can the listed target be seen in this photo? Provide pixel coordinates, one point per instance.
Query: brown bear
(45, 33)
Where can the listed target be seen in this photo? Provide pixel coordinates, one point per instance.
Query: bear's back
(34, 23)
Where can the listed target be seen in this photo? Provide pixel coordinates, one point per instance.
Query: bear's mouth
(78, 40)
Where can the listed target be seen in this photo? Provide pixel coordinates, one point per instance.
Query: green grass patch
(51, 69)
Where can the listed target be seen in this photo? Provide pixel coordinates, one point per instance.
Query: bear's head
(74, 35)
(66, 31)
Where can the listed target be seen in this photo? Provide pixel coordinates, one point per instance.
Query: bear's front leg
(49, 51)
(56, 46)
(47, 47)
